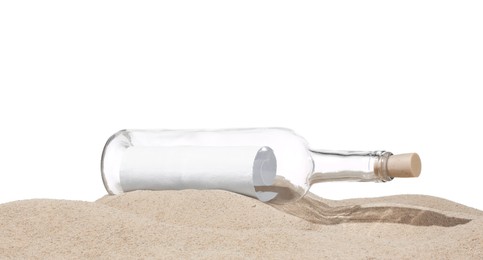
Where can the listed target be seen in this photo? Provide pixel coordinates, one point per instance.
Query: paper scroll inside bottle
(233, 168)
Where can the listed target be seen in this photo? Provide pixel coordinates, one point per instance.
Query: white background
(402, 76)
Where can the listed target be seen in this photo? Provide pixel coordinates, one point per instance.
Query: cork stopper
(405, 165)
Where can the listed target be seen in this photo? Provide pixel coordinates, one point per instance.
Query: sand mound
(219, 224)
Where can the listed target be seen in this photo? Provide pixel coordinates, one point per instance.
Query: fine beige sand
(220, 225)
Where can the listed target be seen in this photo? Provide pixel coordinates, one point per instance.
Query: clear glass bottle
(271, 164)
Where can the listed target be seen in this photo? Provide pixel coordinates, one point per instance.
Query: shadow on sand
(316, 211)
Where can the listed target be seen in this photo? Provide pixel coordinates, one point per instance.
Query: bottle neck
(349, 166)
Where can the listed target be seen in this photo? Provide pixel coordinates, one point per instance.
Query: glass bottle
(271, 164)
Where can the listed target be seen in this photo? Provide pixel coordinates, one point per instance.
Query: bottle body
(270, 164)
(293, 160)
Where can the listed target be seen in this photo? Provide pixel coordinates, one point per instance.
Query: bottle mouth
(380, 166)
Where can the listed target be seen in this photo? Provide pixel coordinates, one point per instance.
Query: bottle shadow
(318, 212)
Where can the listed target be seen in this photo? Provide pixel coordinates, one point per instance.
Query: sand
(220, 225)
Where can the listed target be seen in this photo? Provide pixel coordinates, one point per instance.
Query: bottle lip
(380, 167)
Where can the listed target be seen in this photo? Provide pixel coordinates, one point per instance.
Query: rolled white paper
(233, 168)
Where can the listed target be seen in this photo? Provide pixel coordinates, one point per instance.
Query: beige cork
(405, 165)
